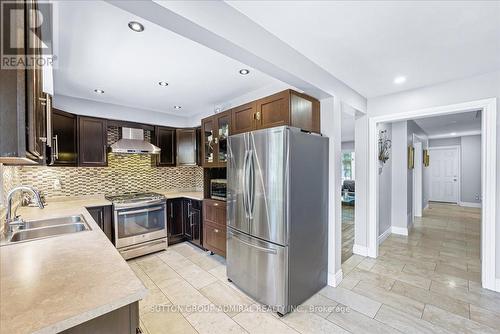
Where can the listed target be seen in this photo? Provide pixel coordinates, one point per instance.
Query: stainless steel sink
(53, 222)
(37, 229)
(49, 231)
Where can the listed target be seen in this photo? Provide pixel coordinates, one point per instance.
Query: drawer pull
(216, 204)
(216, 230)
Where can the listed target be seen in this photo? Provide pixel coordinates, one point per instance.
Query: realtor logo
(26, 34)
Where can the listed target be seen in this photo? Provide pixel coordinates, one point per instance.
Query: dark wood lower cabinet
(192, 222)
(175, 221)
(184, 221)
(104, 218)
(214, 226)
(124, 320)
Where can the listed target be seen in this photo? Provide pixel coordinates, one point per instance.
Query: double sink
(38, 229)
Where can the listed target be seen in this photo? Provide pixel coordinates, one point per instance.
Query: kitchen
(177, 197)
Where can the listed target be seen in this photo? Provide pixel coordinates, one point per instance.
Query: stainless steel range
(140, 223)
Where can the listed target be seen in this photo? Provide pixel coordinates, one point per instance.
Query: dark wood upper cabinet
(243, 118)
(166, 141)
(285, 108)
(214, 134)
(64, 140)
(92, 142)
(187, 150)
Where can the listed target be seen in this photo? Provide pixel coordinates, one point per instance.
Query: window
(348, 166)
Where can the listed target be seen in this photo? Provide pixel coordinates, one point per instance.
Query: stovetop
(135, 197)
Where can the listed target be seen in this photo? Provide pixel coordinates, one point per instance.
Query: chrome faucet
(11, 221)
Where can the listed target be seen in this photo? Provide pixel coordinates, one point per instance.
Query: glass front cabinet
(215, 131)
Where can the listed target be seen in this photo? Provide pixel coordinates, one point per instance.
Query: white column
(331, 127)
(361, 208)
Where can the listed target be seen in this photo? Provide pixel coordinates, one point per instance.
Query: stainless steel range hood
(132, 142)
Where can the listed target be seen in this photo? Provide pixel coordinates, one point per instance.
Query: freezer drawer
(258, 268)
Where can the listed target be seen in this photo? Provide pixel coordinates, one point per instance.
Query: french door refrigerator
(277, 202)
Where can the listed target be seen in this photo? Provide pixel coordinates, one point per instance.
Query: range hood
(132, 142)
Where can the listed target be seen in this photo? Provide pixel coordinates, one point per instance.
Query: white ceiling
(451, 125)
(97, 50)
(367, 44)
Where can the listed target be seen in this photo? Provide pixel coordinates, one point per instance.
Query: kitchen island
(67, 281)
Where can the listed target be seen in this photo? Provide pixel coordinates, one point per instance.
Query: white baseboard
(360, 250)
(399, 230)
(335, 279)
(470, 204)
(384, 235)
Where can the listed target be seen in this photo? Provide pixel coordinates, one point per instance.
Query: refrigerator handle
(263, 249)
(251, 196)
(245, 183)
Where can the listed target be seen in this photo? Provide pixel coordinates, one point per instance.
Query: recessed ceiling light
(453, 133)
(399, 80)
(163, 83)
(98, 91)
(177, 107)
(244, 71)
(136, 26)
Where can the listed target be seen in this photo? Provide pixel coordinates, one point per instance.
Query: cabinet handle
(257, 115)
(48, 110)
(56, 147)
(101, 218)
(171, 210)
(216, 230)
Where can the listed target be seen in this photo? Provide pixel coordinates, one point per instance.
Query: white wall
(385, 185)
(347, 146)
(399, 187)
(113, 111)
(458, 91)
(470, 165)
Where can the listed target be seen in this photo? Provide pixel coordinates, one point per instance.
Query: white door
(444, 174)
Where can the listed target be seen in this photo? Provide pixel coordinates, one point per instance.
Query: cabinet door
(243, 118)
(214, 238)
(196, 225)
(36, 125)
(175, 227)
(92, 142)
(223, 130)
(209, 149)
(64, 147)
(273, 110)
(214, 212)
(165, 140)
(186, 147)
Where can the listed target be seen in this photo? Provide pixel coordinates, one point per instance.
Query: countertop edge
(92, 314)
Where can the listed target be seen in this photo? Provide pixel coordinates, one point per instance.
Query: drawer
(214, 212)
(214, 238)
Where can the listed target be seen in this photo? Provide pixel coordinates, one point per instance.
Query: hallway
(432, 275)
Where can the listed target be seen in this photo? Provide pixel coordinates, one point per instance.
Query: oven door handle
(156, 208)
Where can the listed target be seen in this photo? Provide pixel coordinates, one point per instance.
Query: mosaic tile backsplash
(124, 174)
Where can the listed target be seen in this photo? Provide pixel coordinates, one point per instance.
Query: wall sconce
(426, 158)
(384, 146)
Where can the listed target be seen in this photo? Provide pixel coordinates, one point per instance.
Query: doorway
(488, 178)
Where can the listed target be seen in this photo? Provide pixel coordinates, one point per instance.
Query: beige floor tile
(206, 261)
(311, 323)
(356, 322)
(149, 262)
(366, 264)
(428, 297)
(213, 323)
(436, 276)
(485, 317)
(410, 306)
(351, 263)
(161, 273)
(356, 301)
(196, 276)
(186, 249)
(219, 272)
(406, 323)
(167, 322)
(452, 271)
(358, 275)
(232, 301)
(319, 304)
(452, 322)
(143, 327)
(262, 323)
(174, 259)
(182, 294)
(419, 282)
(154, 298)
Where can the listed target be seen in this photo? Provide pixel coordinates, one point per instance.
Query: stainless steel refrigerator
(277, 201)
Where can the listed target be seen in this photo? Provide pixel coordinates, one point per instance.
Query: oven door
(140, 224)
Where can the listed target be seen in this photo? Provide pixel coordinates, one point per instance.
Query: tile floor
(427, 282)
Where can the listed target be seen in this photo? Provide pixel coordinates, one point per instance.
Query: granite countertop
(52, 284)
